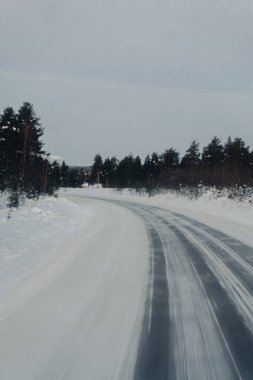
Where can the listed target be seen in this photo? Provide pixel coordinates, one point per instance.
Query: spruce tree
(10, 151)
(96, 169)
(213, 154)
(192, 157)
(170, 158)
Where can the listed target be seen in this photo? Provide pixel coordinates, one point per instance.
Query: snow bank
(31, 235)
(232, 216)
(73, 282)
(208, 203)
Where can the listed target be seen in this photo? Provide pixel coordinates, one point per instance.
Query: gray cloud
(139, 74)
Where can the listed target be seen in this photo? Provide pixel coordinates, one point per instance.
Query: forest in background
(26, 168)
(228, 165)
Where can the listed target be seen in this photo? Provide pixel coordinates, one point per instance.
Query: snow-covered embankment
(73, 280)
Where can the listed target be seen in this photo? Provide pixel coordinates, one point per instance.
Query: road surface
(198, 322)
(186, 315)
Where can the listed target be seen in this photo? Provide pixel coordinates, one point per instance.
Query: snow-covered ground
(228, 215)
(72, 290)
(73, 276)
(30, 238)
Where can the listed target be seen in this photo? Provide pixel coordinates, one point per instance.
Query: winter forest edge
(26, 169)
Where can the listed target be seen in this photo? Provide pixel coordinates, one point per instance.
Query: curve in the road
(198, 320)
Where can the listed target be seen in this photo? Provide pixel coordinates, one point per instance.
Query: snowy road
(199, 314)
(178, 306)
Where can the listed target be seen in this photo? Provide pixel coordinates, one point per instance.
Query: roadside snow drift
(229, 215)
(73, 280)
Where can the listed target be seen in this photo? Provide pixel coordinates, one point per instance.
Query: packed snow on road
(97, 284)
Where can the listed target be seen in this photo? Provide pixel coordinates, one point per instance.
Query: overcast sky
(137, 76)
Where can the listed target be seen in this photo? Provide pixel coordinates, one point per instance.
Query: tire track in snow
(232, 269)
(153, 354)
(197, 350)
(227, 312)
(237, 264)
(208, 338)
(230, 321)
(242, 250)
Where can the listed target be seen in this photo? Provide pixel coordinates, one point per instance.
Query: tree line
(25, 167)
(217, 164)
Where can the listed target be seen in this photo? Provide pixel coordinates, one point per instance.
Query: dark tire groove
(237, 335)
(153, 355)
(154, 359)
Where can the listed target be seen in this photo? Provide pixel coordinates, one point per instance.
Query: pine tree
(170, 158)
(125, 171)
(31, 131)
(236, 152)
(64, 175)
(9, 148)
(137, 172)
(147, 170)
(192, 157)
(96, 170)
(155, 165)
(108, 170)
(24, 166)
(213, 154)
